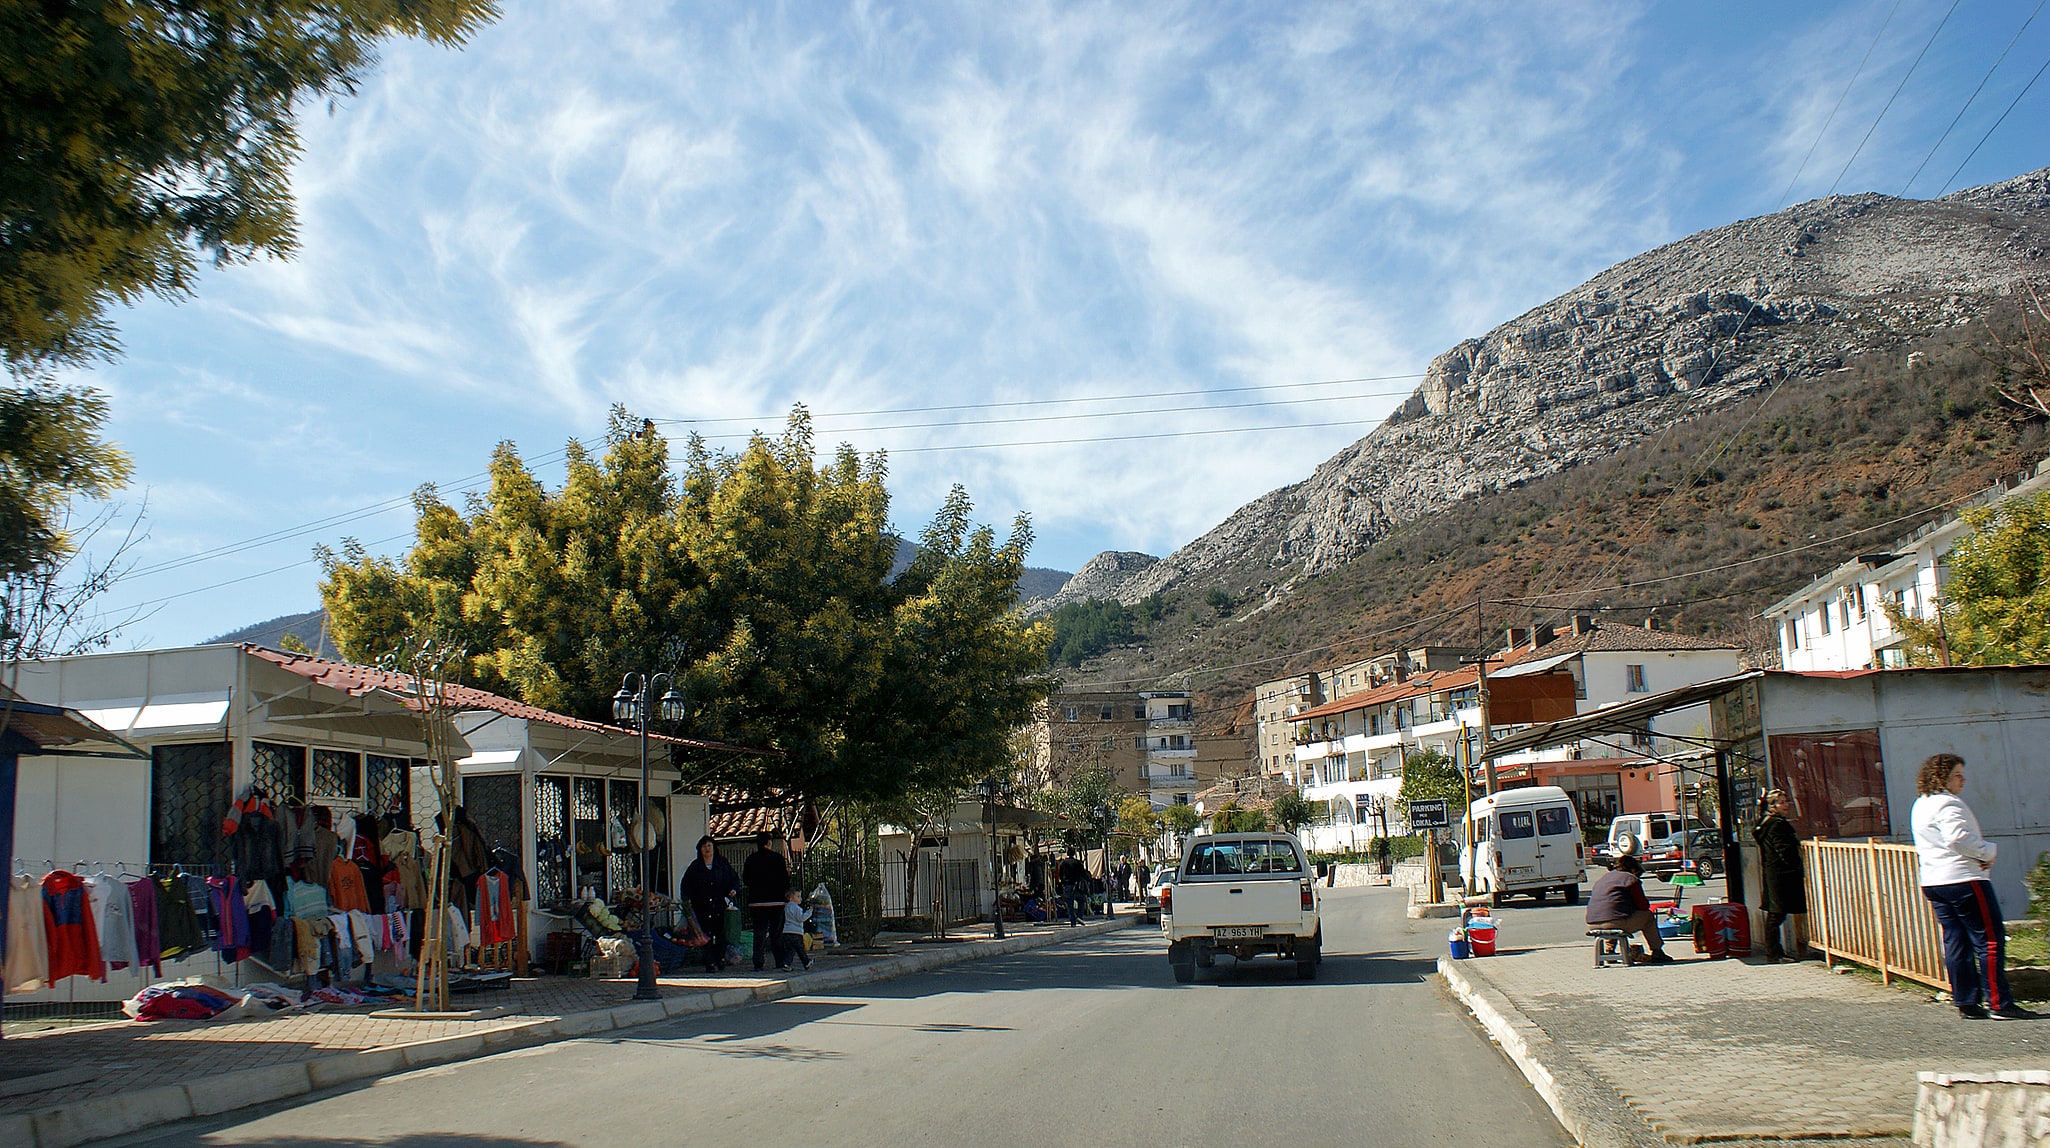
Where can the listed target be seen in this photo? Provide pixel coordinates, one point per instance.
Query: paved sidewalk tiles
(1725, 1051)
(61, 1087)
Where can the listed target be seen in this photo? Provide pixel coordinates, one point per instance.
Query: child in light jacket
(792, 938)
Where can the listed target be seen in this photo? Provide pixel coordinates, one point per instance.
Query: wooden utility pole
(1487, 762)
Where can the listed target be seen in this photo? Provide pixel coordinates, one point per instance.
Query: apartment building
(1840, 620)
(1147, 740)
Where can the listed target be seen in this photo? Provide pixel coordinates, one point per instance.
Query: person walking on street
(707, 883)
(1071, 875)
(767, 876)
(1954, 861)
(794, 917)
(1617, 901)
(1124, 880)
(1779, 855)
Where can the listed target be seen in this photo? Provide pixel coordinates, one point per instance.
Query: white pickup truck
(1242, 894)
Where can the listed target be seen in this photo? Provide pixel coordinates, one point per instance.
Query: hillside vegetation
(1703, 526)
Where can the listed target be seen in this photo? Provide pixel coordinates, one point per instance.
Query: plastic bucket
(1481, 938)
(1461, 948)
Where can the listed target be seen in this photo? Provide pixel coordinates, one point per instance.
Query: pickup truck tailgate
(1272, 905)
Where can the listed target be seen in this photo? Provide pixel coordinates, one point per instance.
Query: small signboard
(1428, 814)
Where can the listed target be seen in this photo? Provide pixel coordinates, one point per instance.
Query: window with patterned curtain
(623, 869)
(388, 784)
(493, 802)
(278, 770)
(189, 793)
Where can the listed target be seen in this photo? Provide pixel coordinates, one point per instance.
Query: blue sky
(709, 212)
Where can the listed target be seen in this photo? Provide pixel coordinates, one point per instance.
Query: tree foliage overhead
(1994, 609)
(137, 136)
(761, 579)
(50, 453)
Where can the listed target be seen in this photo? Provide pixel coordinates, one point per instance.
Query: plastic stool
(1611, 947)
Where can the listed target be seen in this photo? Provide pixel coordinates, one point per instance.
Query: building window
(337, 775)
(1109, 741)
(1822, 618)
(1178, 712)
(1073, 713)
(1139, 712)
(189, 787)
(1835, 782)
(388, 784)
(278, 770)
(1640, 739)
(1139, 742)
(1635, 680)
(1793, 634)
(1103, 714)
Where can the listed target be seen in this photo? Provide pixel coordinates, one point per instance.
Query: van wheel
(1494, 898)
(1184, 972)
(1572, 894)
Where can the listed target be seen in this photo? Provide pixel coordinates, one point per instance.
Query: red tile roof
(357, 681)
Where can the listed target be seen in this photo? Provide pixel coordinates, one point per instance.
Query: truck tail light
(1167, 899)
(1309, 897)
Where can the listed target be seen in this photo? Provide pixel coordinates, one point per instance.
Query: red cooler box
(1720, 930)
(1480, 932)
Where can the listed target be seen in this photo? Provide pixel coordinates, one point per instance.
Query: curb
(1587, 1107)
(107, 1116)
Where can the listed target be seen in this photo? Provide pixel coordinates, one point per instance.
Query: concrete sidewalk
(64, 1087)
(1726, 1051)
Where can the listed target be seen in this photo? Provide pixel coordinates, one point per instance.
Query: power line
(1841, 97)
(1896, 95)
(1136, 437)
(1948, 128)
(1996, 126)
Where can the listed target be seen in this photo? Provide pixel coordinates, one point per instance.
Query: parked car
(1151, 896)
(1703, 851)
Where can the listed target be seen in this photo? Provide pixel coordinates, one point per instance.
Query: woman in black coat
(706, 885)
(1779, 856)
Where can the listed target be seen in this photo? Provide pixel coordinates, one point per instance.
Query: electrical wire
(1841, 97)
(1996, 126)
(1926, 45)
(1948, 128)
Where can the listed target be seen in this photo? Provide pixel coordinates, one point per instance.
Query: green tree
(1431, 774)
(1995, 605)
(137, 137)
(1290, 811)
(1235, 818)
(1137, 819)
(1180, 819)
(51, 453)
(1086, 629)
(760, 577)
(1089, 801)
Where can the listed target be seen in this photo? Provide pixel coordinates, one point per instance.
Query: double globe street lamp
(631, 706)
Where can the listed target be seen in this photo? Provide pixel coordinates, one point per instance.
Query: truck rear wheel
(1573, 894)
(1308, 956)
(1184, 972)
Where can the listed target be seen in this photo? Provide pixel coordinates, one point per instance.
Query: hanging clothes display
(494, 908)
(298, 826)
(232, 939)
(345, 886)
(113, 920)
(305, 899)
(72, 938)
(142, 907)
(28, 945)
(178, 931)
(263, 913)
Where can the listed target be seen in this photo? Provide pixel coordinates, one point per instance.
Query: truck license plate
(1238, 932)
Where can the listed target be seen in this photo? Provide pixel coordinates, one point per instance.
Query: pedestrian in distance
(767, 877)
(1124, 880)
(1071, 875)
(1617, 901)
(792, 940)
(707, 884)
(1779, 857)
(1954, 860)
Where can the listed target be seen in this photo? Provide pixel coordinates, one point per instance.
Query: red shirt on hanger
(68, 927)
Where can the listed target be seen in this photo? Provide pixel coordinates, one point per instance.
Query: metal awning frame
(1629, 717)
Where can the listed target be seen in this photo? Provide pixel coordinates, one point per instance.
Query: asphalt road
(1086, 1043)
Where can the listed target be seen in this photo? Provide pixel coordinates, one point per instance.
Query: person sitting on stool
(1617, 901)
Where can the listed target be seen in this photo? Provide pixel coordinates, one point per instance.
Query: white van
(1524, 841)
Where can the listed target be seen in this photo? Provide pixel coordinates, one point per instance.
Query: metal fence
(934, 890)
(1865, 904)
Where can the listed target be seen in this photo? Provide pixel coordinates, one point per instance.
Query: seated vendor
(1617, 901)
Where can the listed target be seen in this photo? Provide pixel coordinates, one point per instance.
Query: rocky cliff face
(1654, 340)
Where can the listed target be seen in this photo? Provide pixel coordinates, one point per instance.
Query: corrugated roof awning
(163, 714)
(1628, 717)
(1538, 666)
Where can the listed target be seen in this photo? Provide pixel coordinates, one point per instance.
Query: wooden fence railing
(1866, 905)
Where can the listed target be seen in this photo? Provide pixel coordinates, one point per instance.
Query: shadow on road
(416, 1140)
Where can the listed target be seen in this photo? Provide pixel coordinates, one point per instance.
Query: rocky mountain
(1656, 340)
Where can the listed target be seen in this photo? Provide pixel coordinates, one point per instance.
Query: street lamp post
(991, 788)
(631, 706)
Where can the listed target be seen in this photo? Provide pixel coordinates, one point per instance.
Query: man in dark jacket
(1617, 901)
(767, 876)
(1072, 875)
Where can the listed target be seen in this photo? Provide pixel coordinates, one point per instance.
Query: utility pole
(1487, 762)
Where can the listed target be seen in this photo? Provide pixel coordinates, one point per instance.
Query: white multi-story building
(1840, 620)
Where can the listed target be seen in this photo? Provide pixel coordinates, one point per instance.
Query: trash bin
(1461, 947)
(1480, 935)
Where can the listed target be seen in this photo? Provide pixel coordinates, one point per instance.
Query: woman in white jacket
(1954, 862)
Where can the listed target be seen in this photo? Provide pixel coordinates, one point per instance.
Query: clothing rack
(66, 992)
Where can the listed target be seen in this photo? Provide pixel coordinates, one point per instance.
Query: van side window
(1554, 821)
(1517, 825)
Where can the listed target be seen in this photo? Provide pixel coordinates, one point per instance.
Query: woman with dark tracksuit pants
(1954, 860)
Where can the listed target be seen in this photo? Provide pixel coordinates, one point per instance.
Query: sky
(1122, 267)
